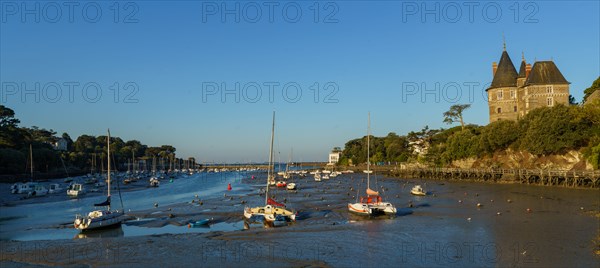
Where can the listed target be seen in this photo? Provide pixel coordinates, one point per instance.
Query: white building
(334, 157)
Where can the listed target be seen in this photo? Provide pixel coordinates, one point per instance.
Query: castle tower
(545, 86)
(502, 93)
(522, 72)
(512, 95)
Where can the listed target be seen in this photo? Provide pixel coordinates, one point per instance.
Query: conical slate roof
(545, 72)
(506, 74)
(522, 71)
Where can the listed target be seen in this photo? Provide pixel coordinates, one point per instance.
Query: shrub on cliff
(552, 130)
(498, 135)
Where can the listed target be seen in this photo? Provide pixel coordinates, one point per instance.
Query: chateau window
(499, 95)
(513, 94)
(550, 101)
(514, 108)
(549, 89)
(499, 110)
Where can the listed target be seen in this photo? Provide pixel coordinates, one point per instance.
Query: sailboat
(317, 176)
(25, 188)
(372, 204)
(154, 182)
(100, 218)
(273, 212)
(289, 174)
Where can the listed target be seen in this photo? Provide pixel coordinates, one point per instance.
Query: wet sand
(515, 225)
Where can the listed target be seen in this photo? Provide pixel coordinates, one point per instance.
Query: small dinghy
(200, 223)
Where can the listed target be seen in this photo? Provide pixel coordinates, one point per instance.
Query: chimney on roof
(527, 69)
(494, 68)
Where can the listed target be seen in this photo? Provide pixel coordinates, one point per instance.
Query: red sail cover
(272, 202)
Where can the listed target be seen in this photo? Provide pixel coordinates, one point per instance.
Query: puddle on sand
(125, 230)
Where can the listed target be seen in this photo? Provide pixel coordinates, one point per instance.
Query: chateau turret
(512, 95)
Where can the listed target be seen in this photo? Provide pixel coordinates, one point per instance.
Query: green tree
(69, 140)
(588, 91)
(455, 114)
(85, 144)
(137, 147)
(12, 161)
(7, 117)
(41, 135)
(550, 130)
(498, 135)
(10, 134)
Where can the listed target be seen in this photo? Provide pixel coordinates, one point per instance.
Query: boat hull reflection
(101, 233)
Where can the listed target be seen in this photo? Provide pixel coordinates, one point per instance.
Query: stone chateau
(512, 95)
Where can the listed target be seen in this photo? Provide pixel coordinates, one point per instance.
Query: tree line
(15, 142)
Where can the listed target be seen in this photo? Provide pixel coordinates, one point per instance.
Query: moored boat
(291, 186)
(273, 212)
(418, 190)
(75, 190)
(200, 223)
(100, 218)
(372, 204)
(154, 182)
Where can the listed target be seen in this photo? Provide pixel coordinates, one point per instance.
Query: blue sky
(164, 58)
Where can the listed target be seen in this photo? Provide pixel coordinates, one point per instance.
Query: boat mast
(31, 156)
(108, 141)
(92, 165)
(369, 153)
(271, 165)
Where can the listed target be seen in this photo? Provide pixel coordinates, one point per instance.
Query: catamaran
(372, 204)
(274, 213)
(100, 218)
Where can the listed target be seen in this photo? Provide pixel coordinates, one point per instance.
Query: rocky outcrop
(572, 160)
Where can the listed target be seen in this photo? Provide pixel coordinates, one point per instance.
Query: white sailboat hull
(268, 212)
(417, 193)
(98, 219)
(275, 214)
(417, 190)
(360, 209)
(383, 208)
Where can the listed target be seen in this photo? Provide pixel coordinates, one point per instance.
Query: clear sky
(167, 70)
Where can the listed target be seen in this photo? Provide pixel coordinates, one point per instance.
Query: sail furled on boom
(371, 192)
(272, 202)
(105, 203)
